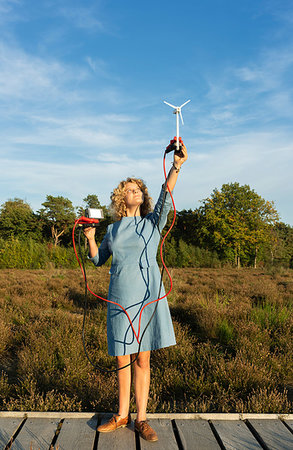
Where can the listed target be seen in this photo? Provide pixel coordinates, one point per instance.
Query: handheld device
(173, 147)
(91, 218)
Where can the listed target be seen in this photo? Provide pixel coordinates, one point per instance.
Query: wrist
(176, 166)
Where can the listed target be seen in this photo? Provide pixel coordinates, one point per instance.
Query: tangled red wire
(161, 255)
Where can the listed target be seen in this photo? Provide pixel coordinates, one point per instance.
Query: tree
(58, 214)
(282, 251)
(236, 221)
(18, 219)
(186, 227)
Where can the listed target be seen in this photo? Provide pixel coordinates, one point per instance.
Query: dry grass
(233, 328)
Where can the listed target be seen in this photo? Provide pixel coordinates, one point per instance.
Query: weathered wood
(196, 416)
(8, 426)
(274, 434)
(78, 431)
(164, 430)
(121, 439)
(77, 434)
(290, 424)
(235, 435)
(196, 435)
(36, 434)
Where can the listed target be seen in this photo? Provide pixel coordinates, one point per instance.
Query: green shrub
(29, 254)
(225, 332)
(270, 316)
(182, 254)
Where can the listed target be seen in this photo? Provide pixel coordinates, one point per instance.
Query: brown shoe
(146, 431)
(115, 422)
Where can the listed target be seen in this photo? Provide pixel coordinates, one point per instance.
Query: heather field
(233, 328)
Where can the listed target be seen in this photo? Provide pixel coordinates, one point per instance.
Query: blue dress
(135, 281)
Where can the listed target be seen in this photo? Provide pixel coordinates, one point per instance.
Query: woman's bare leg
(142, 383)
(124, 383)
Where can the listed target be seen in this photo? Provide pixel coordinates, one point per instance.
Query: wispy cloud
(30, 78)
(270, 71)
(75, 181)
(99, 67)
(82, 17)
(250, 96)
(258, 159)
(281, 11)
(261, 159)
(6, 7)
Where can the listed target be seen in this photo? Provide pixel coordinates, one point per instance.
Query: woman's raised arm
(177, 163)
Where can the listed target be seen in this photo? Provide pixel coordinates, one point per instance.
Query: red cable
(161, 249)
(162, 259)
(102, 298)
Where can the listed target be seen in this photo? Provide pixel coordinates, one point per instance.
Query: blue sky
(82, 85)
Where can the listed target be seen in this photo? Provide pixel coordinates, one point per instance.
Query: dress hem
(149, 350)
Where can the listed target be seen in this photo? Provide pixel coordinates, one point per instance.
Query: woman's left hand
(179, 160)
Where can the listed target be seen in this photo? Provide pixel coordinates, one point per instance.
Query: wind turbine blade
(184, 103)
(169, 104)
(181, 117)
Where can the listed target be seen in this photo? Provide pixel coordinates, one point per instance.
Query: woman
(135, 281)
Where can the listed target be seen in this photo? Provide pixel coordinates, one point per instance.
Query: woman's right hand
(89, 233)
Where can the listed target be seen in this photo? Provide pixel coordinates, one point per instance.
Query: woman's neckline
(131, 217)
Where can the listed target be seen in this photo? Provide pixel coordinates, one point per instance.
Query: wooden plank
(164, 430)
(290, 424)
(196, 416)
(7, 427)
(77, 433)
(196, 435)
(36, 434)
(274, 433)
(121, 439)
(235, 435)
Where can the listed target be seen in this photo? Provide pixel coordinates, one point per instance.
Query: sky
(82, 85)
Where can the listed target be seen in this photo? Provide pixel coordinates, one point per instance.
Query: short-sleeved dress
(135, 281)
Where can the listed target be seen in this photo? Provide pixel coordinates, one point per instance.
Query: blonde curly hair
(118, 205)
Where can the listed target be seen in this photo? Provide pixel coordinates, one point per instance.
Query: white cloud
(29, 78)
(76, 136)
(268, 74)
(75, 181)
(82, 17)
(281, 103)
(251, 96)
(262, 160)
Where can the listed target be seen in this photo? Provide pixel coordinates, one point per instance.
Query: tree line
(233, 226)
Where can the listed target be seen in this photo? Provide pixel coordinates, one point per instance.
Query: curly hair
(118, 205)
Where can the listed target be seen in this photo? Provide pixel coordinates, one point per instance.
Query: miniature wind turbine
(177, 111)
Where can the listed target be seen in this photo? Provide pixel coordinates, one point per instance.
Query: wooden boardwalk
(78, 431)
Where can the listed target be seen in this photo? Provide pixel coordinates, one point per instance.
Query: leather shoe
(115, 422)
(146, 431)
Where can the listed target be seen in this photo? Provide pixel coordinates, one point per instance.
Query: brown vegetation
(233, 328)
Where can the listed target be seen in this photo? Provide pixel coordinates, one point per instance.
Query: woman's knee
(143, 360)
(123, 360)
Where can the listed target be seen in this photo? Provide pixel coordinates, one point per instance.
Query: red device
(172, 146)
(86, 221)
